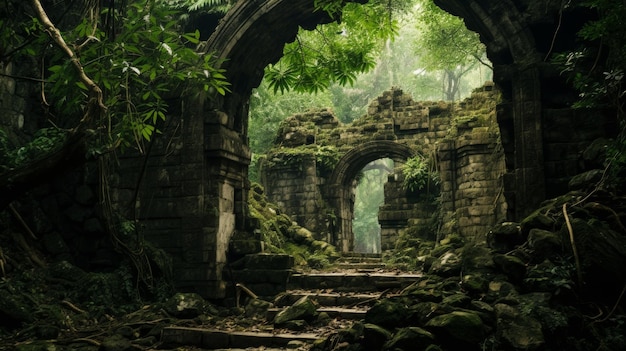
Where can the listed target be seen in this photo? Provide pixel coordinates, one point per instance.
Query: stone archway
(204, 200)
(340, 185)
(253, 34)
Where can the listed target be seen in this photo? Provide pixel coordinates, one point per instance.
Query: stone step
(355, 282)
(360, 266)
(333, 312)
(327, 298)
(362, 254)
(355, 257)
(211, 339)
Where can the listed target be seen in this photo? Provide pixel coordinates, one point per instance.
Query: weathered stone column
(527, 120)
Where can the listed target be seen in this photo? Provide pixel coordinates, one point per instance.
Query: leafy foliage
(447, 45)
(138, 69)
(418, 174)
(134, 52)
(44, 141)
(336, 52)
(597, 69)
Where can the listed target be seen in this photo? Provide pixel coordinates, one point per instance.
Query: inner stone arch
(340, 192)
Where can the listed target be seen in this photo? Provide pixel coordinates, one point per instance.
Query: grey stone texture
(460, 139)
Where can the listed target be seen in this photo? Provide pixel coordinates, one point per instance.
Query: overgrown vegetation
(418, 174)
(596, 70)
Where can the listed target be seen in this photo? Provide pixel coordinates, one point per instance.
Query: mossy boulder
(410, 338)
(303, 309)
(458, 327)
(374, 337)
(389, 313)
(448, 264)
(513, 267)
(188, 305)
(544, 243)
(504, 237)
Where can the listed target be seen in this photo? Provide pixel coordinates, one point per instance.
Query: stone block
(269, 261)
(245, 247)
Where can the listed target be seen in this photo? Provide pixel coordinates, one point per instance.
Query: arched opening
(340, 192)
(368, 197)
(253, 34)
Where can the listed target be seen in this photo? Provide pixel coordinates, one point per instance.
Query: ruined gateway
(197, 183)
(461, 140)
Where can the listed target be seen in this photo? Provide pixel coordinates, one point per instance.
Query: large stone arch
(253, 34)
(200, 182)
(340, 188)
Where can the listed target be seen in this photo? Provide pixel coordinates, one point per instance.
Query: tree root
(573, 243)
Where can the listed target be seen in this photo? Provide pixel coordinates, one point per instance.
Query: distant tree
(336, 52)
(446, 45)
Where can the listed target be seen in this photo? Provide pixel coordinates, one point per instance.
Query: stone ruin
(310, 172)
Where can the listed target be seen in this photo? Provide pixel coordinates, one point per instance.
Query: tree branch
(95, 105)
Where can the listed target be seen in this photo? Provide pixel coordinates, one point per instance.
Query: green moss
(281, 235)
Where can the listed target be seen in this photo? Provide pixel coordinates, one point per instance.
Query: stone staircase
(344, 295)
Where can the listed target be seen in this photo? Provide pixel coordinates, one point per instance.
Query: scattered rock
(449, 264)
(187, 306)
(512, 266)
(411, 338)
(586, 180)
(518, 331)
(544, 243)
(305, 309)
(459, 326)
(388, 313)
(257, 308)
(115, 343)
(374, 337)
(537, 219)
(504, 237)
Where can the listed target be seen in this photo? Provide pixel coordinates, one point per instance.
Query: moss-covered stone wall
(312, 169)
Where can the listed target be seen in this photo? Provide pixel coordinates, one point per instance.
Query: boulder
(458, 327)
(517, 331)
(586, 180)
(544, 243)
(474, 283)
(374, 337)
(504, 237)
(411, 338)
(188, 306)
(388, 313)
(304, 309)
(449, 264)
(303, 236)
(116, 343)
(257, 308)
(513, 267)
(537, 219)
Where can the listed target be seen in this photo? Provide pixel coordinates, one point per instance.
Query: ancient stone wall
(188, 193)
(462, 140)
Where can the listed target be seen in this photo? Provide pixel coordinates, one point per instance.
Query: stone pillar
(527, 119)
